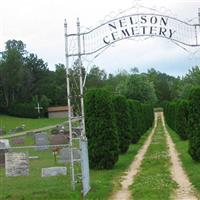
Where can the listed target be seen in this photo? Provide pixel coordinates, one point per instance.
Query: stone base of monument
(53, 171)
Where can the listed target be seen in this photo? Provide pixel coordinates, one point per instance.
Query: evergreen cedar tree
(194, 124)
(177, 115)
(135, 121)
(181, 115)
(123, 122)
(103, 143)
(112, 123)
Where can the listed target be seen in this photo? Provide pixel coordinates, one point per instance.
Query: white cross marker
(38, 108)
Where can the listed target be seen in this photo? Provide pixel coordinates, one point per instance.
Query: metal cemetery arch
(102, 37)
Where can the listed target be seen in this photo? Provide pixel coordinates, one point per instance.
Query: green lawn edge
(191, 167)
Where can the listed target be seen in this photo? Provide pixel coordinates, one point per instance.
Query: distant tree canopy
(24, 77)
(137, 87)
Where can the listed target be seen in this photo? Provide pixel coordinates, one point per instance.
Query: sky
(39, 24)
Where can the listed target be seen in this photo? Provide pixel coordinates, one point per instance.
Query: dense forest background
(26, 79)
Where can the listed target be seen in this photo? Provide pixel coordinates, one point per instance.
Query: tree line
(26, 79)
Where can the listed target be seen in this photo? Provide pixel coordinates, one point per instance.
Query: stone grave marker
(58, 139)
(3, 150)
(17, 164)
(41, 139)
(65, 155)
(17, 140)
(53, 171)
(6, 142)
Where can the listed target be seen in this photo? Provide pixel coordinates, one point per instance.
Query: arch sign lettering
(136, 25)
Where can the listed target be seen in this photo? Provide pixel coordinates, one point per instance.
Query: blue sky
(39, 24)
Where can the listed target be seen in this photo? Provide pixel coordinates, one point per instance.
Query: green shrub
(194, 124)
(123, 122)
(182, 119)
(23, 110)
(134, 116)
(103, 144)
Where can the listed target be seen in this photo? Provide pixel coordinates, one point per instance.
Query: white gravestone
(6, 142)
(54, 171)
(17, 164)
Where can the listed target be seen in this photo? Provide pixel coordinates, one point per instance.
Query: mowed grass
(33, 187)
(8, 122)
(191, 167)
(154, 181)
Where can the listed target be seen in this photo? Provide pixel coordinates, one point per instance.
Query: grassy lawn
(153, 181)
(8, 122)
(34, 187)
(191, 167)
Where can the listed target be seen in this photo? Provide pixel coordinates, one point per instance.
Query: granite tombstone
(65, 155)
(17, 164)
(41, 140)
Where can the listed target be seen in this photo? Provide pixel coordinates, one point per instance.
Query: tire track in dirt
(185, 190)
(127, 180)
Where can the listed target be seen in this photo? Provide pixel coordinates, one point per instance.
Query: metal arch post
(69, 108)
(81, 79)
(199, 15)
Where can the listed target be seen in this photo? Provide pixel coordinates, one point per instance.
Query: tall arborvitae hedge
(194, 124)
(142, 117)
(123, 122)
(148, 116)
(170, 114)
(176, 115)
(103, 144)
(135, 126)
(182, 119)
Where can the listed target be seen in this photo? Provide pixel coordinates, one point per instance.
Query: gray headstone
(53, 171)
(58, 139)
(65, 155)
(3, 150)
(17, 164)
(17, 140)
(41, 139)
